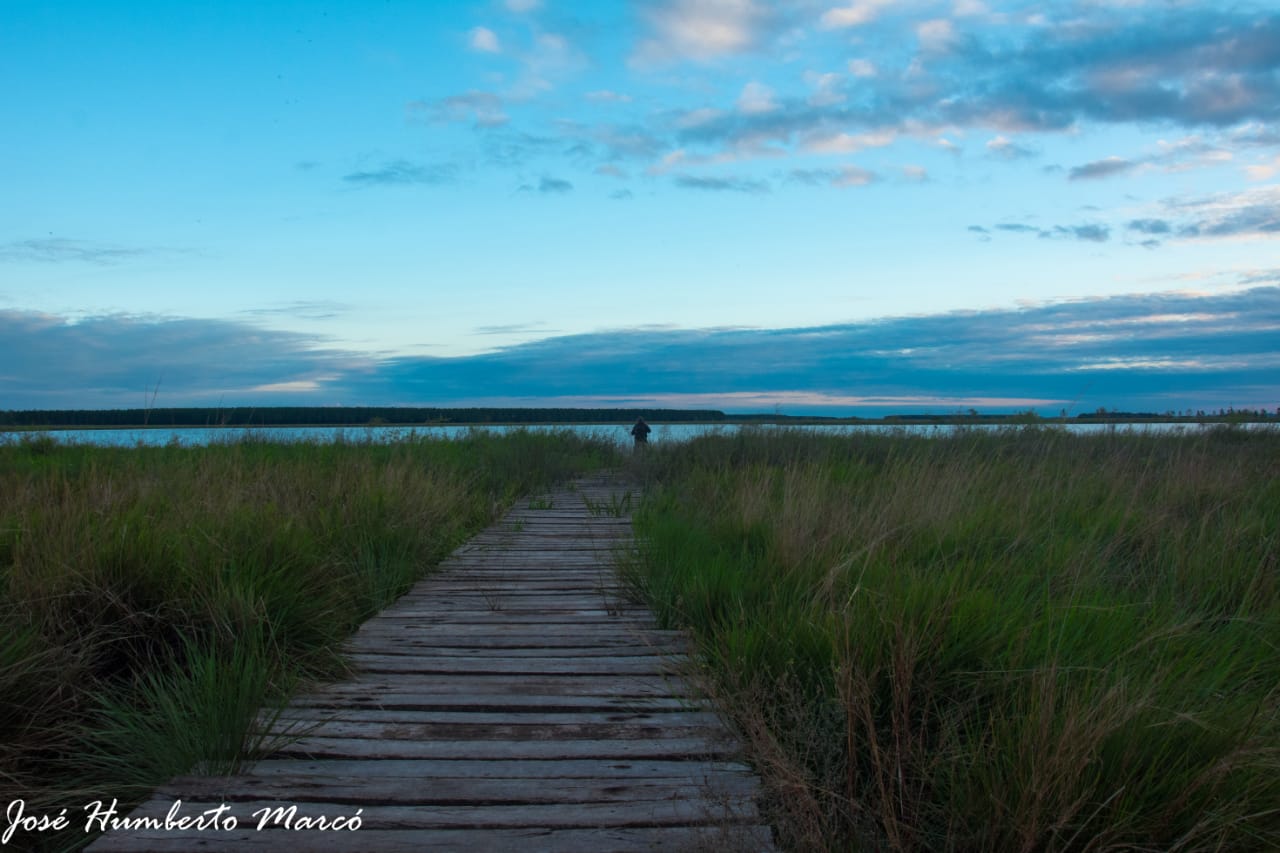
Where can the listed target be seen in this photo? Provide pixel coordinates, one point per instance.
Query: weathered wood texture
(515, 700)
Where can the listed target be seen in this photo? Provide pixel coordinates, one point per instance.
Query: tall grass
(1021, 641)
(153, 599)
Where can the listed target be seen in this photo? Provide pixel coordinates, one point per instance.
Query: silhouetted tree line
(339, 416)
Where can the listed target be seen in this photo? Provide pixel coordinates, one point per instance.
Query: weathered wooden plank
(551, 618)
(437, 665)
(449, 790)
(479, 702)
(641, 813)
(502, 649)
(394, 730)
(728, 839)
(638, 719)
(481, 689)
(670, 748)
(697, 772)
(497, 598)
(488, 642)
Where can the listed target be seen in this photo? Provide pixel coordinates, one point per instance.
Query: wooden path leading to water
(512, 701)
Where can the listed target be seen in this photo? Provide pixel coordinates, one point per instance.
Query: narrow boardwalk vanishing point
(512, 701)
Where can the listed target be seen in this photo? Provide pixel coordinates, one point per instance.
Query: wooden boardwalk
(513, 701)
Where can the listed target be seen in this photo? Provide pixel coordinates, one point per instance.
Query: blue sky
(845, 207)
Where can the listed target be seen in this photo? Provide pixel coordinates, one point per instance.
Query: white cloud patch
(701, 29)
(484, 40)
(826, 89)
(1003, 148)
(854, 14)
(756, 98)
(846, 143)
(936, 35)
(863, 68)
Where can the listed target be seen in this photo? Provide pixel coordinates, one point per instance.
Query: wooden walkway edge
(514, 700)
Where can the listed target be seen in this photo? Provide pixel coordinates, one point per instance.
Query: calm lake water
(620, 433)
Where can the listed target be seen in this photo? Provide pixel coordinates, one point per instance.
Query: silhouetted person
(641, 433)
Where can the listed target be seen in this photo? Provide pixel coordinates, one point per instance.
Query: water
(199, 436)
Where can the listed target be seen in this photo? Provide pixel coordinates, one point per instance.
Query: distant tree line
(339, 416)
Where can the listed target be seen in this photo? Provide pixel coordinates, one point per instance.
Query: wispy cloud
(1089, 232)
(57, 250)
(1003, 148)
(1100, 169)
(484, 40)
(721, 184)
(1252, 213)
(481, 109)
(307, 309)
(403, 172)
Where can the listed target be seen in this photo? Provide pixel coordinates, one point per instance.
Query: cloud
(702, 29)
(935, 35)
(996, 75)
(846, 176)
(482, 109)
(605, 96)
(756, 98)
(521, 7)
(1253, 213)
(307, 309)
(1138, 352)
(403, 173)
(1089, 232)
(854, 14)
(710, 184)
(1100, 169)
(555, 186)
(57, 250)
(483, 40)
(538, 328)
(1150, 226)
(862, 68)
(111, 361)
(1002, 148)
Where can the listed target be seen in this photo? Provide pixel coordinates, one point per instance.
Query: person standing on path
(641, 433)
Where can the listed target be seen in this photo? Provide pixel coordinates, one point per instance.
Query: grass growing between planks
(1024, 641)
(152, 600)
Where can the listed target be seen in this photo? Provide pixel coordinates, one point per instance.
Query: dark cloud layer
(111, 361)
(1149, 352)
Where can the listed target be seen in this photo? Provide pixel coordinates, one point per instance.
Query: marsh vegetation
(1026, 640)
(1021, 641)
(153, 599)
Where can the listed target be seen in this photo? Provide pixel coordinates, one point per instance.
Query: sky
(803, 206)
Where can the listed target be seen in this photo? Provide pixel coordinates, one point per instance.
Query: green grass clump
(1019, 641)
(152, 600)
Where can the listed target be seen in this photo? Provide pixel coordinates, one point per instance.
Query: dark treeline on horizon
(337, 416)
